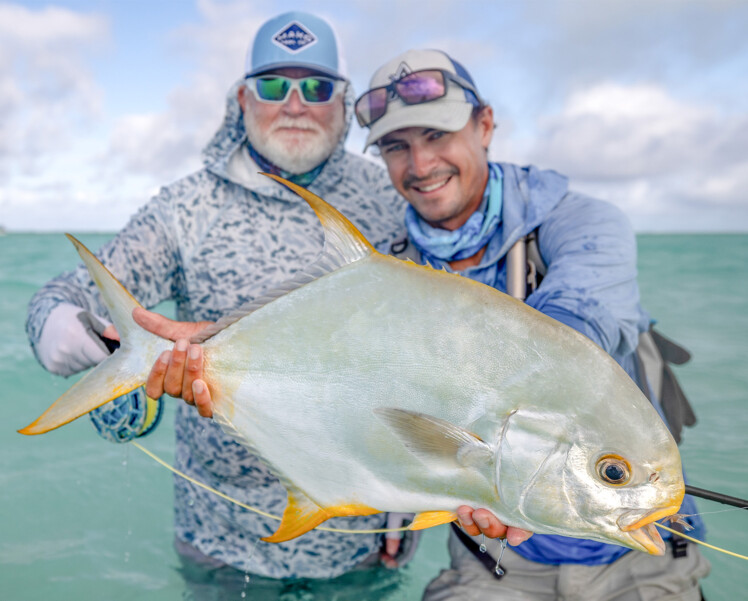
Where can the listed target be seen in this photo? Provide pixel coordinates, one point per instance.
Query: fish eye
(614, 469)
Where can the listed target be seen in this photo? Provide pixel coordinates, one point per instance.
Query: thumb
(165, 327)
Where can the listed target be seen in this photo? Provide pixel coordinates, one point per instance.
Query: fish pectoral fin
(427, 519)
(302, 515)
(429, 437)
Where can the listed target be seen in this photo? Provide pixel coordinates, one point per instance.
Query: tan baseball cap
(451, 112)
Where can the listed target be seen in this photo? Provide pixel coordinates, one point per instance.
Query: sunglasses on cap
(414, 88)
(277, 88)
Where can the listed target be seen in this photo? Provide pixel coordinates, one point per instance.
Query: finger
(154, 386)
(391, 545)
(110, 332)
(389, 562)
(465, 515)
(489, 524)
(202, 397)
(193, 370)
(175, 372)
(165, 327)
(516, 536)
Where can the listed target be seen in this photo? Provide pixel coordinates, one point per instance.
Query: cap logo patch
(403, 69)
(294, 37)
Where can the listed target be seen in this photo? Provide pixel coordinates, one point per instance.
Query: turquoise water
(84, 519)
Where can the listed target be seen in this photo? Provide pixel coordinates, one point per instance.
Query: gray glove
(71, 340)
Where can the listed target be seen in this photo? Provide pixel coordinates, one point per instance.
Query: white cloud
(619, 97)
(45, 88)
(612, 130)
(659, 158)
(165, 145)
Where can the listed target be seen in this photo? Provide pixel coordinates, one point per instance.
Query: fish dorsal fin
(427, 519)
(429, 437)
(322, 266)
(344, 244)
(342, 239)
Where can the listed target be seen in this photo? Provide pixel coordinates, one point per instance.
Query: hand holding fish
(482, 521)
(177, 372)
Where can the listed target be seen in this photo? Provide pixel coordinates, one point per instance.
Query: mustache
(442, 173)
(296, 122)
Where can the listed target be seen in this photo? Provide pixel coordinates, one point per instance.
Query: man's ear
(241, 96)
(485, 124)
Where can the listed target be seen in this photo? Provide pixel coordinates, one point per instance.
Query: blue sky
(643, 103)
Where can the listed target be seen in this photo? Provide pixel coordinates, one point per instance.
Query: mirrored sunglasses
(277, 88)
(414, 88)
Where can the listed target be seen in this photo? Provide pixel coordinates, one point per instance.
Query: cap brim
(286, 65)
(444, 115)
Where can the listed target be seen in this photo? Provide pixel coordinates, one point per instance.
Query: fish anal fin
(302, 514)
(432, 438)
(428, 519)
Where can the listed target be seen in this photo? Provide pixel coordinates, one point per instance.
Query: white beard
(292, 152)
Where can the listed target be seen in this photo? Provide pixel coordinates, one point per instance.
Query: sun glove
(70, 340)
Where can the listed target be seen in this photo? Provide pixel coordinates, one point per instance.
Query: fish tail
(126, 369)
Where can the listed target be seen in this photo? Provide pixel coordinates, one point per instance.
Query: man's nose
(294, 105)
(421, 160)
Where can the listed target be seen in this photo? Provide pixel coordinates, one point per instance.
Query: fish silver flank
(369, 384)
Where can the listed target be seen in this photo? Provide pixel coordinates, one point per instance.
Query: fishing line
(381, 530)
(700, 542)
(254, 509)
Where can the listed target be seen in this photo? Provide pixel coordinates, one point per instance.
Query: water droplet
(482, 543)
(243, 594)
(246, 578)
(124, 462)
(127, 556)
(499, 570)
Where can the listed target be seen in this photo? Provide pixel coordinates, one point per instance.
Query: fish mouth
(639, 523)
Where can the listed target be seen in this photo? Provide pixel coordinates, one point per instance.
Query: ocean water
(81, 518)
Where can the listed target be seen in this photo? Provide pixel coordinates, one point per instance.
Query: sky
(643, 103)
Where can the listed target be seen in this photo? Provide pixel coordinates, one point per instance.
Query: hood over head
(292, 39)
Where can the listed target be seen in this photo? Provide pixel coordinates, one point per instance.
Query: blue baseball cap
(295, 39)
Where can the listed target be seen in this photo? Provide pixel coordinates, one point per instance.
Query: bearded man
(211, 242)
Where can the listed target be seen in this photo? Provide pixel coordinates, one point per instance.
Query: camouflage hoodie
(211, 242)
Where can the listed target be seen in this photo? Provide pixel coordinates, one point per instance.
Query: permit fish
(370, 384)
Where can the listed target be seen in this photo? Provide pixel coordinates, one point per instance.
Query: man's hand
(482, 521)
(178, 372)
(73, 339)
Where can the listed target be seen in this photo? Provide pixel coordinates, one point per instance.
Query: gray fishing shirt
(212, 242)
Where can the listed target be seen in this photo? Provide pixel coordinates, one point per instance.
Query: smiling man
(472, 216)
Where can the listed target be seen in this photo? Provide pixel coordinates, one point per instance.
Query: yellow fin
(340, 233)
(427, 519)
(302, 515)
(90, 392)
(119, 373)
